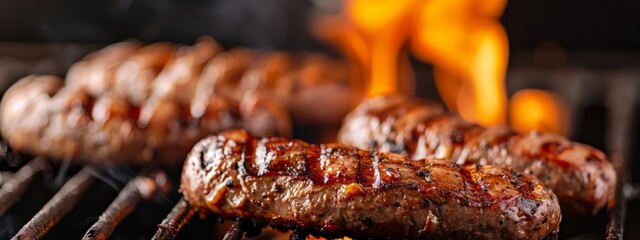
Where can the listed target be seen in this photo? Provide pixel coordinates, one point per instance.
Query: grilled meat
(333, 190)
(580, 175)
(132, 104)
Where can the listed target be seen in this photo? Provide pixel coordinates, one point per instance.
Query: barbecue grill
(63, 201)
(35, 193)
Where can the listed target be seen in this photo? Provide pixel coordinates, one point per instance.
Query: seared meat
(133, 104)
(580, 175)
(333, 190)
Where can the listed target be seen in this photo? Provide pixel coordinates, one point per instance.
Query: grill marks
(551, 151)
(279, 156)
(472, 185)
(333, 190)
(336, 164)
(580, 175)
(135, 104)
(446, 136)
(450, 137)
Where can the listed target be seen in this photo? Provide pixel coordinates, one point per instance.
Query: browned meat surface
(580, 175)
(333, 190)
(139, 105)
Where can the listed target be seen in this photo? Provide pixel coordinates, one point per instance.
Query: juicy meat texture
(580, 175)
(140, 105)
(333, 190)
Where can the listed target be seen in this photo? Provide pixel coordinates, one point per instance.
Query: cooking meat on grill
(580, 175)
(132, 104)
(333, 190)
(135, 102)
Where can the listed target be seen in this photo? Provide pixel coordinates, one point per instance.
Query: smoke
(117, 176)
(114, 177)
(61, 176)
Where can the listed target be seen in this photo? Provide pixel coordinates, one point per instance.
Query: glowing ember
(531, 109)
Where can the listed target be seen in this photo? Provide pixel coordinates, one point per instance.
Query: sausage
(333, 190)
(132, 104)
(135, 103)
(580, 175)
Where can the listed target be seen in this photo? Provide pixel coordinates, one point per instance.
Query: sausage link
(332, 190)
(580, 175)
(131, 104)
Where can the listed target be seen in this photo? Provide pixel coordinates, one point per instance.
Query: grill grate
(615, 226)
(621, 99)
(178, 217)
(15, 185)
(139, 189)
(57, 207)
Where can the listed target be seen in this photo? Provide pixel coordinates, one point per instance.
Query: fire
(382, 25)
(462, 39)
(469, 51)
(531, 109)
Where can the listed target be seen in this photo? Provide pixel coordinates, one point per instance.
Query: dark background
(574, 24)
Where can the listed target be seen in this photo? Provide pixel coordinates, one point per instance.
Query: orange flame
(532, 109)
(462, 39)
(382, 24)
(469, 51)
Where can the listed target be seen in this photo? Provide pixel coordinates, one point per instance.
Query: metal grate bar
(615, 225)
(5, 176)
(139, 189)
(178, 217)
(237, 231)
(620, 100)
(62, 203)
(14, 187)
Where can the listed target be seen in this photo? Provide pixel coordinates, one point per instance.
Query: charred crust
(426, 173)
(276, 188)
(423, 173)
(203, 164)
(422, 194)
(413, 185)
(229, 183)
(425, 203)
(359, 172)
